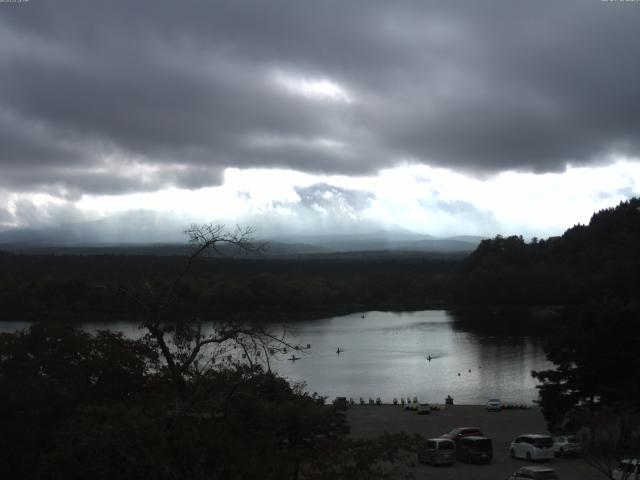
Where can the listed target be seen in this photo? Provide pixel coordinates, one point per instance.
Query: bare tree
(607, 454)
(186, 344)
(610, 436)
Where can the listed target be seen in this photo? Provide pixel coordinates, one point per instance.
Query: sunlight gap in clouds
(321, 89)
(423, 199)
(427, 200)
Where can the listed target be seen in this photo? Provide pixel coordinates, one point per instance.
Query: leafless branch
(184, 344)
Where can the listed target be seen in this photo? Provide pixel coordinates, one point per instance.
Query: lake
(384, 354)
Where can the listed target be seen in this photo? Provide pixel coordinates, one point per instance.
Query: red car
(459, 433)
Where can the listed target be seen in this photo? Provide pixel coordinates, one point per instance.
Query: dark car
(534, 472)
(459, 433)
(474, 449)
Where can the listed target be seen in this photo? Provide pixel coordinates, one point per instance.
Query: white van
(532, 447)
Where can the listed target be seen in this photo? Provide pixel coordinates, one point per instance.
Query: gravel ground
(371, 421)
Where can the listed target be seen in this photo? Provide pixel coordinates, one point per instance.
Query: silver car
(566, 445)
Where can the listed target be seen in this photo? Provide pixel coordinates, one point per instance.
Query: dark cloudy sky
(441, 117)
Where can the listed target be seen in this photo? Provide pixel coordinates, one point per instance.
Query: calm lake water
(384, 354)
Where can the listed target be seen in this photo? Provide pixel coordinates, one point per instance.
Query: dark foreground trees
(76, 406)
(595, 385)
(188, 400)
(187, 346)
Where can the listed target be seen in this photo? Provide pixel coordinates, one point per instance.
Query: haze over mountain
(147, 232)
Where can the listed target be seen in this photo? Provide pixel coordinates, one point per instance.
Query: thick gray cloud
(27, 214)
(110, 97)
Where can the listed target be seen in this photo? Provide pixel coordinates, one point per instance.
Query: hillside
(598, 261)
(143, 233)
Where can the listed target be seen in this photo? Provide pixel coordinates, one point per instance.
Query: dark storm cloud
(185, 89)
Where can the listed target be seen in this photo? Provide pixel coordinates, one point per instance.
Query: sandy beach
(371, 421)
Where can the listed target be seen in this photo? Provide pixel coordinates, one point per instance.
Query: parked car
(459, 433)
(532, 447)
(535, 472)
(424, 409)
(629, 469)
(566, 445)
(494, 405)
(438, 451)
(474, 449)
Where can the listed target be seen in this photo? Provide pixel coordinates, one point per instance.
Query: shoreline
(532, 312)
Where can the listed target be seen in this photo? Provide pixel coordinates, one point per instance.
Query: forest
(80, 405)
(599, 261)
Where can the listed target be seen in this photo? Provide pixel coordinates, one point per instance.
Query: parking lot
(371, 421)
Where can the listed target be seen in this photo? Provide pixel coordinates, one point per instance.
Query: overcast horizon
(441, 118)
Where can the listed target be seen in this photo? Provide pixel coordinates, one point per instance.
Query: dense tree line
(86, 287)
(599, 261)
(595, 383)
(594, 351)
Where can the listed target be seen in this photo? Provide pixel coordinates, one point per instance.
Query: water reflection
(385, 354)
